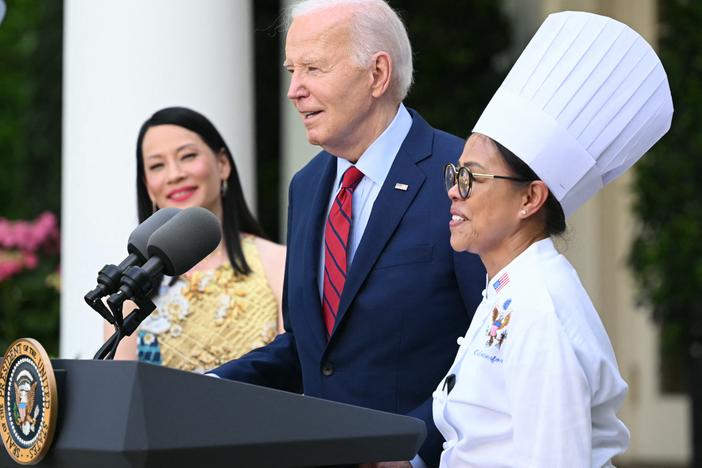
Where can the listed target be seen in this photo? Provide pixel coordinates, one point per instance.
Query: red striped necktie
(336, 237)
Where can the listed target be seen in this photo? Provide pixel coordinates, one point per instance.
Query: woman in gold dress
(229, 303)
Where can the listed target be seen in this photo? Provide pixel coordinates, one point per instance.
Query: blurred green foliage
(30, 159)
(667, 253)
(459, 50)
(30, 307)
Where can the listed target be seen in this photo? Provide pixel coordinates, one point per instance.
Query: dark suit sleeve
(275, 365)
(430, 450)
(467, 267)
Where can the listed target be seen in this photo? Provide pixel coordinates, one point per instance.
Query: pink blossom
(20, 242)
(29, 236)
(30, 260)
(10, 267)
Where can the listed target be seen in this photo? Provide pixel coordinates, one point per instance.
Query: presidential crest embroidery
(497, 330)
(29, 401)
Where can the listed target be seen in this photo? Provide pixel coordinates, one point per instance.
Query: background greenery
(30, 156)
(667, 254)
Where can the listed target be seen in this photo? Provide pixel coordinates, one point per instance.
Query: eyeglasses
(464, 177)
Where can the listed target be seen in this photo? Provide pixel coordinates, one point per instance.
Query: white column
(123, 60)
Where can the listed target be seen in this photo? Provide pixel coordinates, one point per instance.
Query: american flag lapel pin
(501, 282)
(403, 187)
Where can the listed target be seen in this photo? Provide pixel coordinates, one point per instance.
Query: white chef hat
(585, 100)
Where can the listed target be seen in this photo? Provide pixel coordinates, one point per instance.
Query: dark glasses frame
(464, 178)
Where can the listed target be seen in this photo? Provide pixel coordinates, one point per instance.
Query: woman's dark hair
(236, 217)
(555, 218)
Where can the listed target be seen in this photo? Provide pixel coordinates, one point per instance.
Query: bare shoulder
(271, 253)
(273, 260)
(272, 257)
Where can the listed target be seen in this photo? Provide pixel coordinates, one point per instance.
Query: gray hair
(375, 27)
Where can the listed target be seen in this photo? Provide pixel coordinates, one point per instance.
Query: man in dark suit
(372, 314)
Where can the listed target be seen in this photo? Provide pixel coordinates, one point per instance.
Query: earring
(154, 208)
(524, 212)
(223, 188)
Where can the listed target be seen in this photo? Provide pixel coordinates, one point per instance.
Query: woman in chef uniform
(535, 382)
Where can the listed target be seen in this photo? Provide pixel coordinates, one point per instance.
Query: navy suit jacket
(408, 295)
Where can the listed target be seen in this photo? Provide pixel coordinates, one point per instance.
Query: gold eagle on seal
(24, 401)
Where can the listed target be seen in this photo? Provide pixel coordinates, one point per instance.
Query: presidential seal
(29, 401)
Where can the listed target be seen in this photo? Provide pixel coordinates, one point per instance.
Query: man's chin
(313, 139)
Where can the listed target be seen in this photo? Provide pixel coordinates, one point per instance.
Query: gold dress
(210, 317)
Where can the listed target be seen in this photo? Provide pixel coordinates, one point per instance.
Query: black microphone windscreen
(139, 238)
(185, 240)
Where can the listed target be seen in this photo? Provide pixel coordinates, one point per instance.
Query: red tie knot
(351, 178)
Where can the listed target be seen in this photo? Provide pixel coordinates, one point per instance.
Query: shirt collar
(523, 261)
(376, 160)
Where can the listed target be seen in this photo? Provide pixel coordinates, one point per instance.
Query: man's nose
(297, 88)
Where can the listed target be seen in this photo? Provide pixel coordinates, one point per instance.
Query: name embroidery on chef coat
(497, 330)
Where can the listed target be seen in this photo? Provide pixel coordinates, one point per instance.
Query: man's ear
(381, 70)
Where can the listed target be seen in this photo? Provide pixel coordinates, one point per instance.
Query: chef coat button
(327, 369)
(460, 340)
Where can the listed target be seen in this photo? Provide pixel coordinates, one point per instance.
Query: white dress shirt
(536, 379)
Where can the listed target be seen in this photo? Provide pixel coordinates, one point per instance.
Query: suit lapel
(312, 248)
(389, 208)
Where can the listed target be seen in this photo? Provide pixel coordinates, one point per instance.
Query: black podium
(130, 414)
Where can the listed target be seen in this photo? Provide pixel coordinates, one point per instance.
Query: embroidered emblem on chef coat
(497, 331)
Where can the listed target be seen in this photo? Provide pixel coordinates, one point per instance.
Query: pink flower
(26, 236)
(30, 260)
(9, 266)
(20, 242)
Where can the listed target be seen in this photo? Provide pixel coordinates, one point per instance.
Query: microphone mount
(108, 280)
(136, 284)
(144, 308)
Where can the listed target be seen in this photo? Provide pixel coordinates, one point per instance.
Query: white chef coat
(536, 379)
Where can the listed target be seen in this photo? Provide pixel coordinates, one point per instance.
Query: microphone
(173, 249)
(137, 246)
